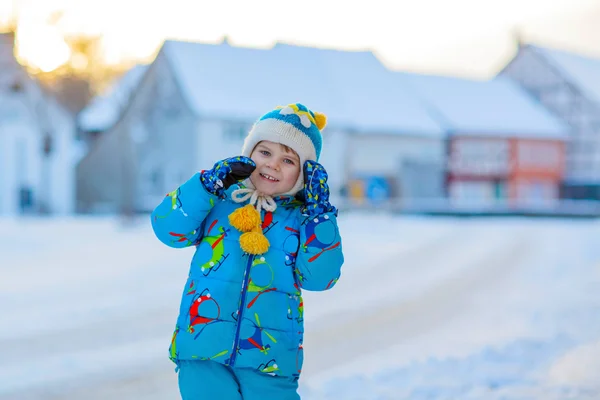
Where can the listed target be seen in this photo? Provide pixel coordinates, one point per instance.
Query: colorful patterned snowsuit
(241, 310)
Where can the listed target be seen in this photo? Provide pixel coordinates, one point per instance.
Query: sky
(459, 37)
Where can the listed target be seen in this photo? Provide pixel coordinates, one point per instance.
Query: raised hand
(316, 190)
(225, 173)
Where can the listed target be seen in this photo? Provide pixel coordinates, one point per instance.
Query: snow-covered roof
(353, 88)
(105, 110)
(583, 72)
(368, 97)
(497, 107)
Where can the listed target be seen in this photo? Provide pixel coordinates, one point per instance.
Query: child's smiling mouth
(268, 178)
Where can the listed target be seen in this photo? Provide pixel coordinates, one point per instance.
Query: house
(37, 152)
(196, 102)
(568, 85)
(105, 110)
(504, 148)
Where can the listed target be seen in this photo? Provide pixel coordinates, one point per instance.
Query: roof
(496, 107)
(368, 97)
(583, 72)
(105, 110)
(353, 88)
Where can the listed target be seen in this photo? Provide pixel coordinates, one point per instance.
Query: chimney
(7, 42)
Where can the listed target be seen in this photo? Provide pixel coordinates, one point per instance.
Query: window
(480, 157)
(47, 145)
(16, 87)
(538, 155)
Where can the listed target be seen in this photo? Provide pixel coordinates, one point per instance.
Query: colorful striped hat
(293, 125)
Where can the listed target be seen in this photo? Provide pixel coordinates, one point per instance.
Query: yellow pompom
(254, 242)
(245, 219)
(320, 119)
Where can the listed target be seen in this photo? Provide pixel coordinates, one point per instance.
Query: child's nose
(274, 165)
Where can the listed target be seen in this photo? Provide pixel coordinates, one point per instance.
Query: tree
(83, 75)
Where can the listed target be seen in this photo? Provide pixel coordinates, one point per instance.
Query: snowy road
(88, 308)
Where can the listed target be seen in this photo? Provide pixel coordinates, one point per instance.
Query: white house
(196, 102)
(37, 153)
(504, 147)
(568, 85)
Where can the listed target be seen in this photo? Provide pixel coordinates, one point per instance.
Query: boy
(263, 229)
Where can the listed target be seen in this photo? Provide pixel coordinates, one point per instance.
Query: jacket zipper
(241, 310)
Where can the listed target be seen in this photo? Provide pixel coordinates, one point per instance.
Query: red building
(515, 171)
(503, 147)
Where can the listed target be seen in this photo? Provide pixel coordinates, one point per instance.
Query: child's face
(277, 168)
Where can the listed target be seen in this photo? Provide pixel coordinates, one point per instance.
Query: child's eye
(265, 153)
(288, 161)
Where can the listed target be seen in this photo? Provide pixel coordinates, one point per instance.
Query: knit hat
(300, 129)
(293, 125)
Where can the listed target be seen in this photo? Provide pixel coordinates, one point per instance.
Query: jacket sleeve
(178, 219)
(320, 258)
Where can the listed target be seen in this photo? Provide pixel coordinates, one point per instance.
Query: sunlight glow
(461, 35)
(40, 46)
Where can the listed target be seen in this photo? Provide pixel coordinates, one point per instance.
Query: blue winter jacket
(241, 310)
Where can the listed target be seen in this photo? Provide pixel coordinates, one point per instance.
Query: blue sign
(377, 189)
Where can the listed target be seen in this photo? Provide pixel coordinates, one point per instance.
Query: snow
(581, 71)
(353, 88)
(426, 309)
(105, 110)
(497, 107)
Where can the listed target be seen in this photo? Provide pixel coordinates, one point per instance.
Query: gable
(581, 71)
(105, 110)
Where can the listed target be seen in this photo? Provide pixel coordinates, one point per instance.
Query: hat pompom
(254, 242)
(245, 218)
(320, 119)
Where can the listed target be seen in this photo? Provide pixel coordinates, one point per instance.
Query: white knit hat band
(278, 131)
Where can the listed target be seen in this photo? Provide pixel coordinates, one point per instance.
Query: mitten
(226, 173)
(316, 190)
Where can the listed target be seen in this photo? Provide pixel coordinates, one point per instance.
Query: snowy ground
(426, 309)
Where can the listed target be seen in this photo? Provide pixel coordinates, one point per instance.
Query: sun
(40, 46)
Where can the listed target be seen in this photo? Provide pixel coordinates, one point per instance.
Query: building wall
(537, 170)
(375, 163)
(478, 170)
(162, 132)
(217, 140)
(488, 171)
(543, 81)
(20, 168)
(99, 175)
(49, 177)
(60, 164)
